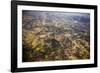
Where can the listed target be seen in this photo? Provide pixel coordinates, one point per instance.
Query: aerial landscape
(55, 36)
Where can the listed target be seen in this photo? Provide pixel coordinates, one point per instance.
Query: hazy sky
(30, 12)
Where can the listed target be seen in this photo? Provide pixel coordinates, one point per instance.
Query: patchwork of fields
(50, 36)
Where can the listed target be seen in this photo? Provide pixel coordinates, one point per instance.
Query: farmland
(51, 36)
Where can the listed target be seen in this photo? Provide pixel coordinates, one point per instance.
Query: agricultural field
(52, 36)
